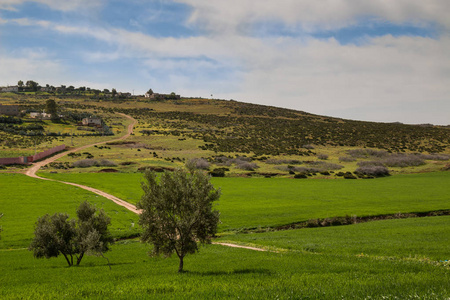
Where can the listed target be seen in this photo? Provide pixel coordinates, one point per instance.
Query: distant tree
(32, 85)
(114, 92)
(105, 91)
(177, 212)
(150, 92)
(52, 108)
(56, 234)
(20, 83)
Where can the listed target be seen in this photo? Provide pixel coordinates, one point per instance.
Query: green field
(222, 272)
(262, 202)
(415, 238)
(24, 199)
(391, 259)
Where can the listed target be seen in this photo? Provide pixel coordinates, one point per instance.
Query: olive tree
(177, 212)
(56, 234)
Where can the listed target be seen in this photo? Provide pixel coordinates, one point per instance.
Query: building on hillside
(10, 89)
(9, 110)
(40, 115)
(124, 95)
(47, 89)
(95, 122)
(156, 96)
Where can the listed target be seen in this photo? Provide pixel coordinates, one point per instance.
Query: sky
(372, 60)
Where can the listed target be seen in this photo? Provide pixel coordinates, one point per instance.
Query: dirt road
(36, 166)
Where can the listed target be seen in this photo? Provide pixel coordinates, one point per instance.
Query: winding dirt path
(36, 166)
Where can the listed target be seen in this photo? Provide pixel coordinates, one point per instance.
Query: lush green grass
(253, 202)
(318, 263)
(221, 272)
(24, 199)
(426, 238)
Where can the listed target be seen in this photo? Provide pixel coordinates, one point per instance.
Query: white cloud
(231, 15)
(29, 64)
(387, 78)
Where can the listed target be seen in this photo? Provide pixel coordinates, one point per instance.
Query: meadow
(270, 202)
(218, 272)
(24, 199)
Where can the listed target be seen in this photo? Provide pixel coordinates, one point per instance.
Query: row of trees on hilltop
(176, 214)
(33, 86)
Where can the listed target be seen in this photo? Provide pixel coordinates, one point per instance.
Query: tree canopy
(56, 234)
(177, 212)
(52, 108)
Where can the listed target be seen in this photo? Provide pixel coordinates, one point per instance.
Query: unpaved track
(36, 166)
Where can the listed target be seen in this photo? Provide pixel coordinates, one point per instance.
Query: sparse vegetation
(86, 163)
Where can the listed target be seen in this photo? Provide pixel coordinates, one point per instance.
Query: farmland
(391, 258)
(270, 202)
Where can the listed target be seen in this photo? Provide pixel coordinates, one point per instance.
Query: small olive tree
(56, 234)
(177, 212)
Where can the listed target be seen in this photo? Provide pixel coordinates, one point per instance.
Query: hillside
(261, 137)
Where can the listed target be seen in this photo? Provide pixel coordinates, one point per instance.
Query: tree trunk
(67, 259)
(180, 269)
(80, 258)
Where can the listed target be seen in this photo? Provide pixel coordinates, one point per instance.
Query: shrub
(322, 156)
(106, 163)
(218, 172)
(197, 163)
(248, 166)
(370, 163)
(300, 175)
(297, 169)
(376, 171)
(349, 175)
(362, 153)
(274, 161)
(324, 166)
(434, 156)
(403, 160)
(347, 159)
(86, 163)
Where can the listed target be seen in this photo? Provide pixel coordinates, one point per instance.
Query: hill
(264, 137)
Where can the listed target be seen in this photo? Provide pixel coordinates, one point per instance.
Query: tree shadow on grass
(234, 272)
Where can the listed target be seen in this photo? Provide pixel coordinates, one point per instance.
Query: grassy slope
(24, 199)
(253, 202)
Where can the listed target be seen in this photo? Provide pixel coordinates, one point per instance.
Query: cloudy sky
(376, 60)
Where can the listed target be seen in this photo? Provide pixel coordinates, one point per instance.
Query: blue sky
(371, 60)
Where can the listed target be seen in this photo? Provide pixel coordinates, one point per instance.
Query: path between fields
(36, 166)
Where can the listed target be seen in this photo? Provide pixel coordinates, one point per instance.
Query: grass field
(221, 272)
(262, 202)
(24, 199)
(393, 259)
(417, 238)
